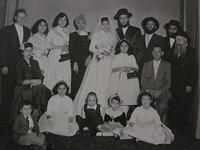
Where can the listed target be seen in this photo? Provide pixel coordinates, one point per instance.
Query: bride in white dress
(58, 38)
(97, 75)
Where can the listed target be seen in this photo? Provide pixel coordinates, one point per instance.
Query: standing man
(184, 77)
(126, 31)
(149, 40)
(171, 28)
(12, 37)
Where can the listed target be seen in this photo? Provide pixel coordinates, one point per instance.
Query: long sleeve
(3, 47)
(19, 73)
(70, 107)
(133, 62)
(93, 44)
(134, 116)
(144, 77)
(167, 78)
(50, 106)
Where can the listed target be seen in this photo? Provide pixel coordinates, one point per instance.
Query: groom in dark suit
(126, 31)
(11, 38)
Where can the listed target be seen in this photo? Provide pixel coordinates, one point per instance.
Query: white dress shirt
(124, 30)
(171, 41)
(20, 32)
(147, 39)
(155, 67)
(30, 121)
(93, 107)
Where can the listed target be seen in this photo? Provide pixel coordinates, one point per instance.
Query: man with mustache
(171, 28)
(149, 40)
(184, 77)
(127, 31)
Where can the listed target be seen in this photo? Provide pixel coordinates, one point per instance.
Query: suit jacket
(184, 70)
(9, 47)
(168, 50)
(21, 127)
(133, 35)
(163, 78)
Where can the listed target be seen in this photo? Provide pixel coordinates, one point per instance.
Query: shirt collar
(94, 107)
(18, 26)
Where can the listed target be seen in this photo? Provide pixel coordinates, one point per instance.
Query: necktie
(27, 120)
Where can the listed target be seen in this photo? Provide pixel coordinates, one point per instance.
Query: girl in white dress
(58, 38)
(59, 118)
(97, 75)
(40, 43)
(126, 87)
(145, 124)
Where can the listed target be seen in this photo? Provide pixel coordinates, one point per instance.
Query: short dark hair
(17, 12)
(104, 19)
(118, 50)
(93, 94)
(145, 93)
(158, 46)
(116, 98)
(34, 28)
(28, 44)
(60, 15)
(55, 88)
(25, 102)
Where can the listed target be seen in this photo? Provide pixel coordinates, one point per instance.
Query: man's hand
(188, 89)
(75, 68)
(4, 70)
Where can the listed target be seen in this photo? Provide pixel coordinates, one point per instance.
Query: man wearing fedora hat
(127, 31)
(171, 28)
(184, 76)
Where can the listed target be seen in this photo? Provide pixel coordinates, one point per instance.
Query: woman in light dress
(58, 38)
(40, 43)
(97, 75)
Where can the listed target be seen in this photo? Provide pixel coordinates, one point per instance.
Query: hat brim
(116, 17)
(150, 19)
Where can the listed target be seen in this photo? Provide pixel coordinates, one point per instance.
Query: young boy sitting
(156, 78)
(25, 127)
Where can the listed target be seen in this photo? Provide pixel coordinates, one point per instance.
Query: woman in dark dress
(29, 83)
(79, 51)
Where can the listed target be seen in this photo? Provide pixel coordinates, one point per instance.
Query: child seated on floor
(145, 124)
(114, 119)
(91, 116)
(59, 118)
(25, 127)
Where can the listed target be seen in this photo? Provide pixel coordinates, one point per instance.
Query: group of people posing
(107, 73)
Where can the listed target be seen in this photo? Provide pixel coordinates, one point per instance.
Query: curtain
(3, 4)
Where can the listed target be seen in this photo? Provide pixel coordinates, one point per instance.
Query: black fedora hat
(150, 19)
(172, 22)
(122, 11)
(183, 34)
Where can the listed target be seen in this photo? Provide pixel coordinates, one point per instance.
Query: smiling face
(62, 21)
(124, 20)
(91, 100)
(81, 25)
(157, 53)
(20, 18)
(150, 25)
(124, 47)
(105, 26)
(146, 101)
(27, 53)
(62, 89)
(26, 110)
(42, 27)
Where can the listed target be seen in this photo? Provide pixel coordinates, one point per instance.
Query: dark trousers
(82, 122)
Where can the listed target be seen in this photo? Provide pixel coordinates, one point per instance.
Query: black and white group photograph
(99, 75)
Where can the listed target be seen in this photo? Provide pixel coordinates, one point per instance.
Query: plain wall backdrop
(163, 10)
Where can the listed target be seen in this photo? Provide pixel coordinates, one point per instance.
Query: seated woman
(29, 83)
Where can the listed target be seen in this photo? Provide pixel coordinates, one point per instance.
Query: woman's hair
(34, 28)
(60, 15)
(25, 102)
(118, 47)
(114, 98)
(17, 12)
(145, 94)
(91, 94)
(55, 88)
(104, 19)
